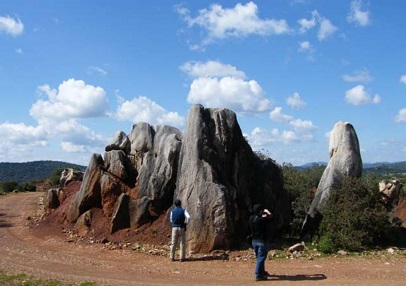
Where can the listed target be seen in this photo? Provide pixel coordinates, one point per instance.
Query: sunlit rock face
(220, 178)
(210, 167)
(345, 160)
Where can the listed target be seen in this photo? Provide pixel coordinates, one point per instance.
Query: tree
(300, 185)
(8, 186)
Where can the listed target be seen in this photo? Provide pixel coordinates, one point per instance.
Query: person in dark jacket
(258, 225)
(179, 219)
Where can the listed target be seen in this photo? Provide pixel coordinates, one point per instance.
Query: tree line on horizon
(28, 172)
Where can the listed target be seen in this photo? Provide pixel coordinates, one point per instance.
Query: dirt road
(53, 257)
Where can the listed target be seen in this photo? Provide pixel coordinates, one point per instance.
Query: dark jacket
(258, 227)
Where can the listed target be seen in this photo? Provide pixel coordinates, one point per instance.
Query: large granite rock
(220, 178)
(210, 168)
(345, 161)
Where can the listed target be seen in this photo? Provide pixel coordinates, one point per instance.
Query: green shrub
(56, 176)
(299, 184)
(26, 187)
(325, 244)
(8, 186)
(355, 217)
(22, 279)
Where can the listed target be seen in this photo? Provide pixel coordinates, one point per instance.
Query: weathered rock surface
(390, 191)
(345, 161)
(210, 168)
(399, 212)
(51, 199)
(68, 175)
(297, 247)
(220, 178)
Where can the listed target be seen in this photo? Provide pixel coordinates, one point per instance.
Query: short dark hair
(257, 209)
(177, 203)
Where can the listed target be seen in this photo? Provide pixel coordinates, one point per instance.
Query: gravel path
(49, 256)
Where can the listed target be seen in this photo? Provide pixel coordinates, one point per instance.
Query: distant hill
(32, 171)
(39, 170)
(380, 168)
(386, 168)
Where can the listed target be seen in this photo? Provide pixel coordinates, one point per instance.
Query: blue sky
(73, 73)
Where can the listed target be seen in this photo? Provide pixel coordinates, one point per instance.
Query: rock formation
(220, 178)
(210, 167)
(390, 191)
(345, 160)
(68, 175)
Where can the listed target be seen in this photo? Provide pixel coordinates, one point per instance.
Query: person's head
(257, 209)
(177, 203)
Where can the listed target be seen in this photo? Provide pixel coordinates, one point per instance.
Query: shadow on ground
(298, 277)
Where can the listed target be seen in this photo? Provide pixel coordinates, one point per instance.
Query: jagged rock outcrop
(345, 160)
(390, 192)
(146, 175)
(210, 167)
(220, 178)
(68, 175)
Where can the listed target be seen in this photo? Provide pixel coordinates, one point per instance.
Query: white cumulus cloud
(357, 15)
(18, 139)
(307, 24)
(306, 48)
(261, 137)
(20, 133)
(299, 130)
(239, 21)
(211, 69)
(401, 116)
(361, 76)
(11, 26)
(326, 28)
(403, 79)
(76, 137)
(218, 85)
(277, 115)
(142, 109)
(295, 101)
(358, 96)
(72, 99)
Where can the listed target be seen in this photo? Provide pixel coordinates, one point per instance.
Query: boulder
(121, 216)
(130, 213)
(83, 224)
(220, 178)
(390, 192)
(89, 195)
(68, 175)
(345, 161)
(119, 142)
(297, 247)
(51, 199)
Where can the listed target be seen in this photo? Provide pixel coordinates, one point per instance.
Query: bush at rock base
(355, 217)
(300, 185)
